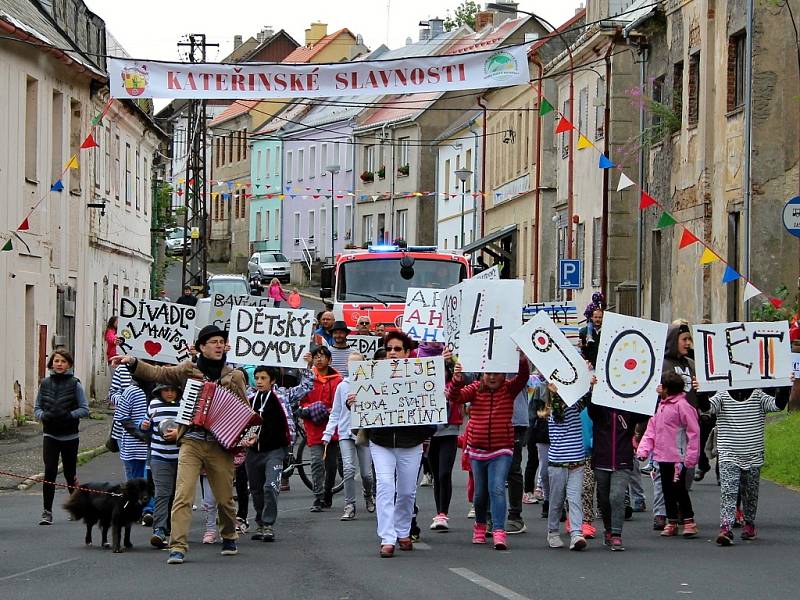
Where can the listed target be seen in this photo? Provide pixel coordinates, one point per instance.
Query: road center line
(488, 584)
(47, 566)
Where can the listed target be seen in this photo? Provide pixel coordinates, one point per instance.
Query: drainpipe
(537, 187)
(482, 104)
(606, 150)
(474, 167)
(353, 200)
(434, 148)
(748, 124)
(644, 57)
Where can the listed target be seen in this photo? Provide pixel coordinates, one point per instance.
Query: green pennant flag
(545, 107)
(666, 220)
(8, 247)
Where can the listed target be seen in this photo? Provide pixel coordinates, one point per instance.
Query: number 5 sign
(490, 311)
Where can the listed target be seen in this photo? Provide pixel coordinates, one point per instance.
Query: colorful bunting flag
(730, 275)
(7, 247)
(564, 126)
(24, 226)
(73, 162)
(687, 239)
(776, 302)
(708, 257)
(666, 220)
(583, 142)
(545, 107)
(89, 142)
(57, 186)
(646, 201)
(624, 182)
(605, 162)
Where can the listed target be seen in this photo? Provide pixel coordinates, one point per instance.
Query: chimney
(506, 16)
(237, 41)
(316, 32)
(484, 18)
(436, 27)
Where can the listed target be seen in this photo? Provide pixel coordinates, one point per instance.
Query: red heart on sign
(152, 348)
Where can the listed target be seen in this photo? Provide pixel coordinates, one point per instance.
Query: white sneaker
(471, 513)
(440, 523)
(554, 540)
(577, 542)
(427, 481)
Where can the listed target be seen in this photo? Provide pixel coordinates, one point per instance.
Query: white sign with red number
(156, 330)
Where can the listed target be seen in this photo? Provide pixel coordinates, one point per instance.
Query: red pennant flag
(24, 226)
(646, 201)
(687, 239)
(776, 302)
(564, 125)
(190, 182)
(89, 142)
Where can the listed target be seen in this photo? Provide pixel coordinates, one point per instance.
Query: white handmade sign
(364, 344)
(422, 317)
(629, 361)
(156, 330)
(563, 314)
(489, 312)
(221, 305)
(398, 392)
(741, 355)
(490, 273)
(270, 336)
(451, 314)
(556, 358)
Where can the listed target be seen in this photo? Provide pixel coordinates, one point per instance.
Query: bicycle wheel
(301, 464)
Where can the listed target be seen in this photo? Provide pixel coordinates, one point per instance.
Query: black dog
(120, 506)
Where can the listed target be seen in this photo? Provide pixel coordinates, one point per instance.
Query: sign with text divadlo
(131, 78)
(263, 335)
(398, 392)
(629, 361)
(221, 305)
(422, 316)
(742, 355)
(479, 318)
(556, 358)
(155, 330)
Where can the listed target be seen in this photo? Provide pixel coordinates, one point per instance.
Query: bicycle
(295, 460)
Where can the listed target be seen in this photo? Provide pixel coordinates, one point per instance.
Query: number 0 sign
(490, 311)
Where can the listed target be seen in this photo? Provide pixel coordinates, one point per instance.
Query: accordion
(217, 410)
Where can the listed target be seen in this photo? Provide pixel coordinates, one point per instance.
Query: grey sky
(151, 28)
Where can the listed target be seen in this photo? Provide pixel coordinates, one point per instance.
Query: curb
(84, 456)
(310, 296)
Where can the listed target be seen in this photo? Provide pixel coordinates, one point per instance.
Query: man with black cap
(340, 351)
(188, 298)
(198, 449)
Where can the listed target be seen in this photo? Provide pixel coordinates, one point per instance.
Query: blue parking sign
(570, 274)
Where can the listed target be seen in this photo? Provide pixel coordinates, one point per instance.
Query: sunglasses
(363, 322)
(395, 348)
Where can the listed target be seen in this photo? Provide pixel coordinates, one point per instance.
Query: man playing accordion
(198, 448)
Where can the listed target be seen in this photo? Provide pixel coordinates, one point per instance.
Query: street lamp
(333, 170)
(511, 8)
(463, 175)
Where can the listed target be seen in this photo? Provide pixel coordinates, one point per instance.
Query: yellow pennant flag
(708, 257)
(583, 143)
(281, 196)
(73, 162)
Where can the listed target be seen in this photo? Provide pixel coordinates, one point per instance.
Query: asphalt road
(318, 556)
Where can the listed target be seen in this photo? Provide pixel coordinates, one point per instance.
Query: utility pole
(196, 215)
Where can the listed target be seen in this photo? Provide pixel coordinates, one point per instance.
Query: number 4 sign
(490, 311)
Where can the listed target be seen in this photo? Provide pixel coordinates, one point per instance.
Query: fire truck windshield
(380, 279)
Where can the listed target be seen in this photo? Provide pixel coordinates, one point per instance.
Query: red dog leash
(62, 485)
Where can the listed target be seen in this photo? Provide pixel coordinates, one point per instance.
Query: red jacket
(490, 412)
(323, 391)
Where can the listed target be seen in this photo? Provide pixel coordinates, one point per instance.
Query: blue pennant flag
(57, 186)
(605, 162)
(730, 275)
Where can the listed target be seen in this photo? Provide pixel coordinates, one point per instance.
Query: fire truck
(374, 282)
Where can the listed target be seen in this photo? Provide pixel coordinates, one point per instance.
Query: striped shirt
(740, 427)
(566, 437)
(132, 404)
(339, 358)
(120, 381)
(158, 412)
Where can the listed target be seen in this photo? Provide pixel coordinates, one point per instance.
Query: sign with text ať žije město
(261, 335)
(742, 355)
(398, 392)
(155, 330)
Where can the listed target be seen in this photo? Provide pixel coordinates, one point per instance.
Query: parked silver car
(177, 242)
(268, 264)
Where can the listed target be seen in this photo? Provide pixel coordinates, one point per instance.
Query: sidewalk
(21, 447)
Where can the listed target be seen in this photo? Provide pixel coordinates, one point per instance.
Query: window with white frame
(258, 165)
(277, 222)
(402, 221)
(301, 164)
(369, 158)
(323, 158)
(336, 222)
(336, 150)
(312, 162)
(366, 229)
(597, 236)
(405, 151)
(312, 225)
(289, 165)
(348, 220)
(266, 225)
(297, 229)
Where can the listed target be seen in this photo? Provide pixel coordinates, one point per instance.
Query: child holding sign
(740, 442)
(490, 442)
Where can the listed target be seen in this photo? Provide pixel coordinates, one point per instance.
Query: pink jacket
(276, 292)
(673, 433)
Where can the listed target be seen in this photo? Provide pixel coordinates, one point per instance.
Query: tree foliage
(464, 14)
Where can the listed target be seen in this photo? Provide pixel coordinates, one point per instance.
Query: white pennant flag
(751, 291)
(624, 182)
